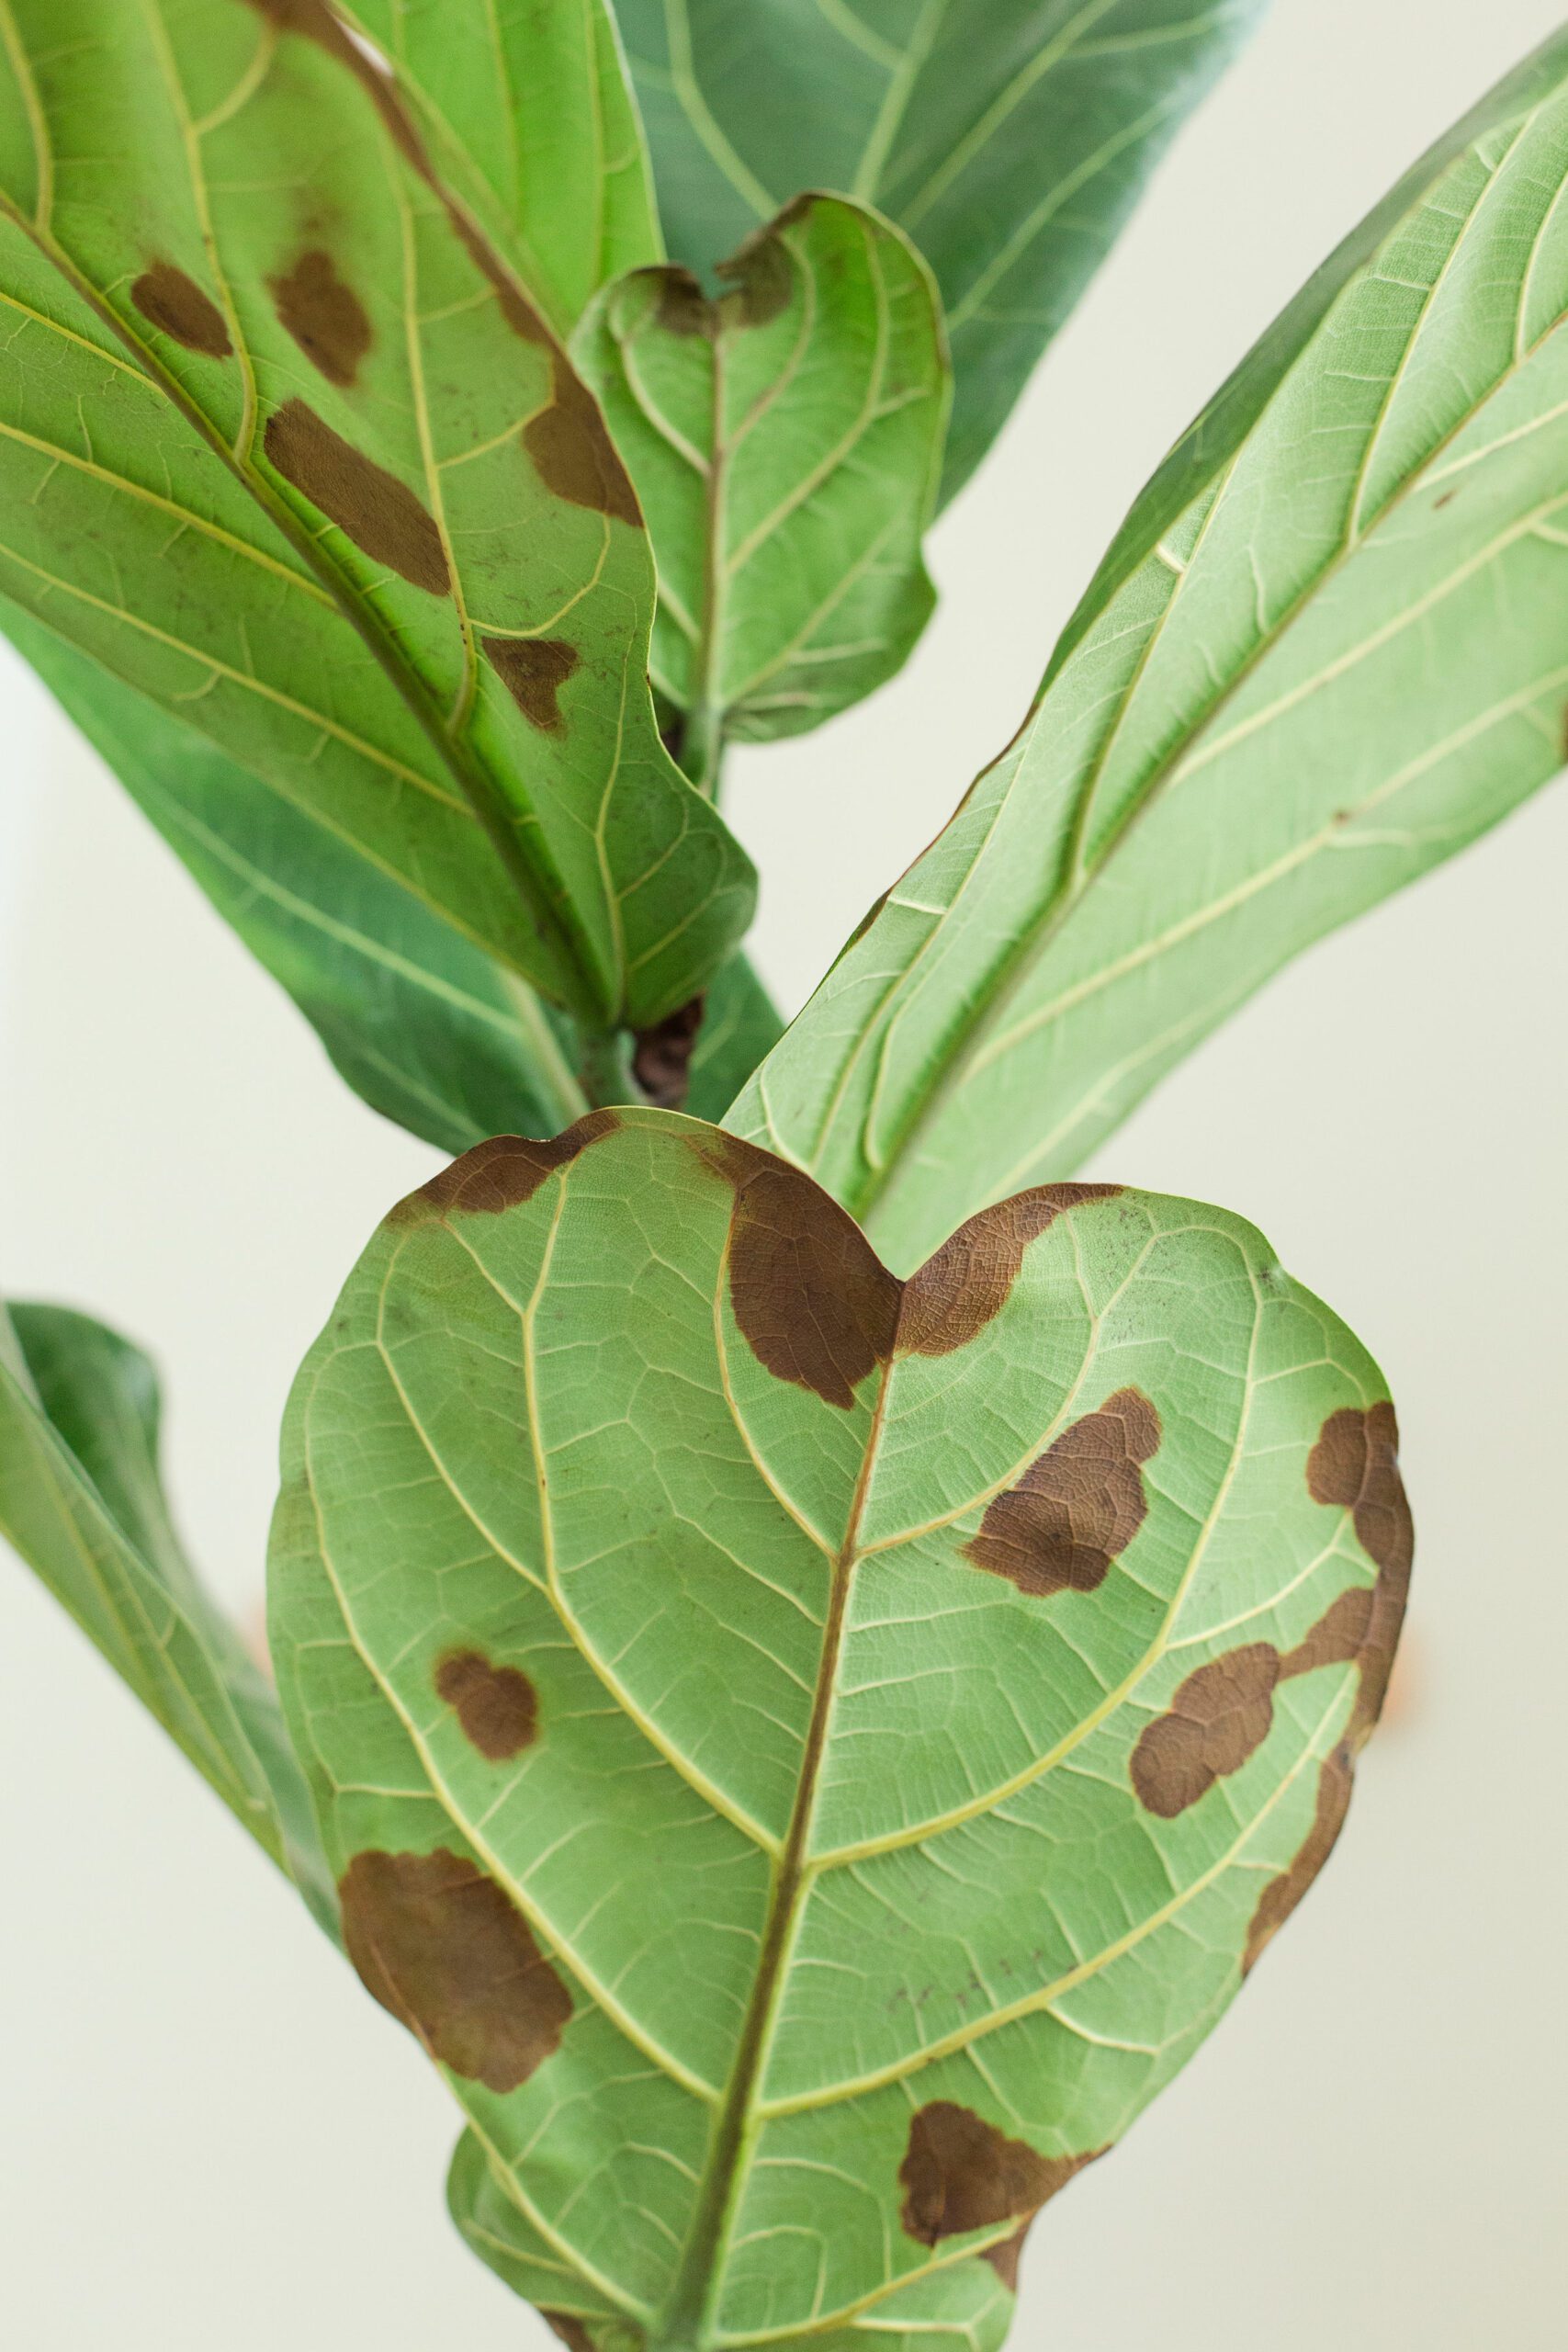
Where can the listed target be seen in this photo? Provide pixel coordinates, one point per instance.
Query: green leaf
(82, 1502)
(785, 441)
(809, 1754)
(430, 1030)
(1329, 648)
(317, 478)
(1008, 137)
(533, 97)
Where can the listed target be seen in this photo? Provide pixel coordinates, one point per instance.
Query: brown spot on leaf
(505, 1172)
(1281, 1896)
(573, 454)
(1220, 1716)
(324, 315)
(967, 1283)
(496, 1706)
(534, 669)
(1354, 1466)
(661, 1063)
(683, 309)
(441, 1947)
(1006, 2255)
(177, 306)
(762, 271)
(814, 1302)
(313, 20)
(377, 511)
(1338, 1638)
(570, 2328)
(960, 2173)
(1077, 1507)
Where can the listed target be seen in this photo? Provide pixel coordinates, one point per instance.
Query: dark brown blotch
(534, 669)
(570, 2328)
(661, 1057)
(960, 2173)
(683, 308)
(1339, 1638)
(1281, 1896)
(177, 306)
(573, 454)
(1354, 1466)
(1077, 1507)
(377, 511)
(313, 20)
(504, 1173)
(761, 272)
(439, 1945)
(496, 1706)
(1220, 1716)
(814, 1302)
(324, 315)
(968, 1280)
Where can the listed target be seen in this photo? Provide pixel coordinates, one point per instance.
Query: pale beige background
(212, 2142)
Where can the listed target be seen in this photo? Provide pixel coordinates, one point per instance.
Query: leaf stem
(689, 2318)
(604, 1071)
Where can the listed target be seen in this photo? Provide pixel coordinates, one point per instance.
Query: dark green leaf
(82, 1502)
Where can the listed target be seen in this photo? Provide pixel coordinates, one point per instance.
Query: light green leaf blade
(310, 470)
(1008, 137)
(82, 1502)
(533, 97)
(785, 440)
(1329, 648)
(811, 1754)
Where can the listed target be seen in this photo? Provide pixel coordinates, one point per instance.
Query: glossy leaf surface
(1008, 137)
(285, 443)
(1329, 648)
(811, 1754)
(533, 97)
(785, 441)
(82, 1502)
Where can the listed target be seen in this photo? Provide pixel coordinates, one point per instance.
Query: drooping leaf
(533, 97)
(285, 443)
(785, 440)
(810, 1754)
(82, 1502)
(1329, 648)
(1008, 137)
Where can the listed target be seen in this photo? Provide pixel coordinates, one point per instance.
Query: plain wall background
(211, 2142)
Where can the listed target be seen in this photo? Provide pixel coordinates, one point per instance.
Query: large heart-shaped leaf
(1328, 649)
(423, 1022)
(785, 441)
(810, 1754)
(1010, 137)
(286, 442)
(533, 99)
(82, 1502)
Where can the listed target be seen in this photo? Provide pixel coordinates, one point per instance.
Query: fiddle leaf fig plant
(814, 1649)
